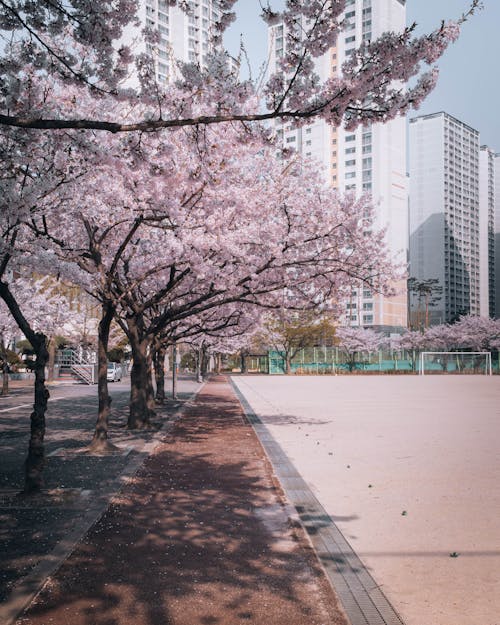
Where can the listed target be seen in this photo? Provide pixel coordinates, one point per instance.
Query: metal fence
(329, 360)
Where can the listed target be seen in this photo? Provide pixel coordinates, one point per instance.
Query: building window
(350, 174)
(367, 318)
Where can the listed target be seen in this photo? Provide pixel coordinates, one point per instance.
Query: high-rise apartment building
(486, 232)
(182, 37)
(371, 159)
(496, 271)
(452, 215)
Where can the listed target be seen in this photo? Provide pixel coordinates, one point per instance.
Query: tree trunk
(52, 359)
(150, 388)
(5, 378)
(288, 363)
(4, 363)
(100, 442)
(34, 463)
(141, 387)
(243, 363)
(159, 366)
(205, 361)
(218, 363)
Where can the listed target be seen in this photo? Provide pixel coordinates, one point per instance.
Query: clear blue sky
(469, 84)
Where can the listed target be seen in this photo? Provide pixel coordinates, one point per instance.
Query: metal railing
(79, 365)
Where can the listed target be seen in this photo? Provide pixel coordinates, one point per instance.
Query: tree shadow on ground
(198, 537)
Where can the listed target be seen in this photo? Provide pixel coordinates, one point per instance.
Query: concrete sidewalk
(199, 535)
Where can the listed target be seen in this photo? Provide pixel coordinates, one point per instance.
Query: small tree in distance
(289, 332)
(357, 340)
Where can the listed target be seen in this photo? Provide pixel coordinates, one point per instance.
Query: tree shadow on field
(195, 539)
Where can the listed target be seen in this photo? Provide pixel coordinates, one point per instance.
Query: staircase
(73, 366)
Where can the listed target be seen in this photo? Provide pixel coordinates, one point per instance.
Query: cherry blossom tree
(199, 209)
(477, 333)
(412, 342)
(34, 306)
(443, 338)
(30, 171)
(75, 42)
(355, 340)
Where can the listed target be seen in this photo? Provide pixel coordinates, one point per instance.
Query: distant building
(371, 159)
(452, 205)
(487, 231)
(497, 236)
(182, 37)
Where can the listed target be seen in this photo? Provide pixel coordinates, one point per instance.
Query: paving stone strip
(361, 598)
(198, 536)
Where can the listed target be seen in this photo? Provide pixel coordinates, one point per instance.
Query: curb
(25, 591)
(363, 601)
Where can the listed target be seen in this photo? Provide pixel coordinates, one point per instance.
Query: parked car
(114, 372)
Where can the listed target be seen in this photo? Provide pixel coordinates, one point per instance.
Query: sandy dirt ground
(409, 469)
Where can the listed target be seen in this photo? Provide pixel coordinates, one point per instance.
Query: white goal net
(455, 362)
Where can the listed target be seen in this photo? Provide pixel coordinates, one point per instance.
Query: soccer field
(409, 470)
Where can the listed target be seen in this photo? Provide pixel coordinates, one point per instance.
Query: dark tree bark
(100, 442)
(205, 361)
(159, 367)
(4, 365)
(5, 378)
(35, 460)
(141, 387)
(149, 382)
(243, 362)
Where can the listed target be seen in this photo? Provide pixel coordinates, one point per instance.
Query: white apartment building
(486, 232)
(371, 159)
(450, 228)
(182, 37)
(496, 271)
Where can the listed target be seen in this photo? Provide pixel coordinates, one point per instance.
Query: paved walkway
(199, 535)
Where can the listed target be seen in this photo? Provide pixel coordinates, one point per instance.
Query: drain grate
(361, 598)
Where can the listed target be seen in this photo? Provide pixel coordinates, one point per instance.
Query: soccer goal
(455, 362)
